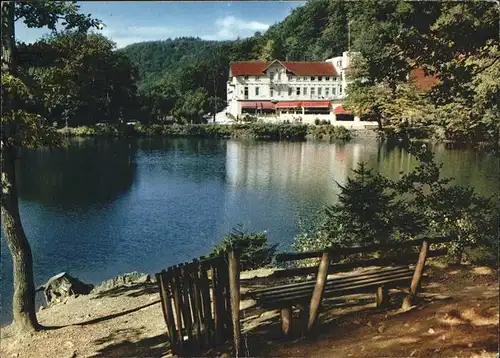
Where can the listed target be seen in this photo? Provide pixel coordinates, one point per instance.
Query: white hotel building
(299, 92)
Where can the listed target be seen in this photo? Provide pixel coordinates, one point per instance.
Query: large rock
(63, 285)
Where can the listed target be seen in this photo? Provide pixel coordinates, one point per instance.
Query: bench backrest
(335, 255)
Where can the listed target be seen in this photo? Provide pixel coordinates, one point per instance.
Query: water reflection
(313, 166)
(83, 174)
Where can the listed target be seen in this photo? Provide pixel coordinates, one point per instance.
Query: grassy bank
(251, 130)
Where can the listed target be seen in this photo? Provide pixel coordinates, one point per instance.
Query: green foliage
(373, 209)
(396, 37)
(252, 248)
(329, 131)
(248, 130)
(274, 131)
(31, 129)
(86, 83)
(50, 13)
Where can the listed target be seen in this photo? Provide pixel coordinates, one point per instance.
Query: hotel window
(246, 77)
(320, 78)
(304, 91)
(279, 92)
(312, 91)
(319, 91)
(279, 76)
(256, 91)
(327, 78)
(290, 89)
(246, 92)
(334, 91)
(271, 92)
(312, 78)
(297, 91)
(340, 89)
(327, 91)
(271, 75)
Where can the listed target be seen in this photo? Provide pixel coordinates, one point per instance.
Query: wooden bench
(393, 271)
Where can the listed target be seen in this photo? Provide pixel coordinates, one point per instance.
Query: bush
(84, 131)
(252, 248)
(329, 131)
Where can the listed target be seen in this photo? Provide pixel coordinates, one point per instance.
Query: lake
(98, 207)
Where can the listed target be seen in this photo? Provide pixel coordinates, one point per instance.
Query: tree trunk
(23, 301)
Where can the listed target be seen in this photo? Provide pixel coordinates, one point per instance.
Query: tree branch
(486, 67)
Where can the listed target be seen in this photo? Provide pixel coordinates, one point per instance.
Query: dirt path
(127, 322)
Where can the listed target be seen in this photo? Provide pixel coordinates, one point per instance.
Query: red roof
(257, 104)
(257, 68)
(288, 104)
(316, 104)
(421, 81)
(340, 110)
(248, 68)
(311, 68)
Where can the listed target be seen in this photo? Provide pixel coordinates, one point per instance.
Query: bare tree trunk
(23, 300)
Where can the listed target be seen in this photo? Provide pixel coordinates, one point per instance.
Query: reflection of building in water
(300, 167)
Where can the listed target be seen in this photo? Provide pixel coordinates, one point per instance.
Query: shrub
(317, 121)
(84, 131)
(332, 132)
(252, 248)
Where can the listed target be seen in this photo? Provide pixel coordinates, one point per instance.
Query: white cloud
(230, 27)
(124, 36)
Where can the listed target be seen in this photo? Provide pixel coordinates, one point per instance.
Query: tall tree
(88, 82)
(22, 128)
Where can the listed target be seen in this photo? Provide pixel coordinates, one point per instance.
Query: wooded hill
(184, 79)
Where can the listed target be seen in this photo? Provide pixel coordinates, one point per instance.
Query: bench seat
(298, 293)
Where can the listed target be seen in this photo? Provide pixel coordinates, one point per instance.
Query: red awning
(316, 104)
(288, 104)
(257, 105)
(340, 110)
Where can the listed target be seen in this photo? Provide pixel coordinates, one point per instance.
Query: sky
(127, 22)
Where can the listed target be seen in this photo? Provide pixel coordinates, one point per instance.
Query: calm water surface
(99, 208)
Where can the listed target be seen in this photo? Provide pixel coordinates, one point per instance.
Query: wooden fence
(200, 302)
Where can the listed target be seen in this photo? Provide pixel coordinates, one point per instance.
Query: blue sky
(136, 21)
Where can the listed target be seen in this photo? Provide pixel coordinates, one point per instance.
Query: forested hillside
(313, 32)
(184, 79)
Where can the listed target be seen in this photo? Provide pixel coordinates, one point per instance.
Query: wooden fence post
(165, 296)
(207, 309)
(216, 299)
(318, 289)
(196, 301)
(186, 309)
(382, 296)
(234, 288)
(417, 275)
(174, 284)
(286, 320)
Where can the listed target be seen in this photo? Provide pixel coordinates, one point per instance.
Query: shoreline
(264, 131)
